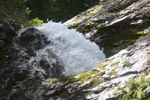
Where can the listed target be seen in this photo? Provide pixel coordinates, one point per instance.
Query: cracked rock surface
(114, 25)
(117, 70)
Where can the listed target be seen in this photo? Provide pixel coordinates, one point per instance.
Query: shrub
(134, 89)
(53, 80)
(34, 22)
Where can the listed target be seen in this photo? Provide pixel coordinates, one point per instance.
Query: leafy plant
(134, 89)
(33, 22)
(27, 11)
(58, 10)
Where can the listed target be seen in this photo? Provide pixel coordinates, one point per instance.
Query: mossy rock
(136, 89)
(101, 66)
(115, 39)
(112, 73)
(53, 80)
(115, 64)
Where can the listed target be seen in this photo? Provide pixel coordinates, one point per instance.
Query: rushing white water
(76, 52)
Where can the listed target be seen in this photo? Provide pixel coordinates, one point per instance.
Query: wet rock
(29, 42)
(13, 25)
(23, 75)
(22, 67)
(119, 70)
(31, 39)
(113, 25)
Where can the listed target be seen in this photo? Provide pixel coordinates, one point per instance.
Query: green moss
(111, 73)
(116, 40)
(90, 23)
(101, 66)
(115, 63)
(13, 9)
(94, 11)
(142, 33)
(83, 77)
(136, 89)
(92, 76)
(99, 26)
(53, 80)
(113, 40)
(32, 23)
(68, 79)
(118, 1)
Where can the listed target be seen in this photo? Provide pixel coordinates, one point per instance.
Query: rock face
(29, 41)
(115, 24)
(123, 67)
(21, 67)
(106, 82)
(112, 25)
(24, 73)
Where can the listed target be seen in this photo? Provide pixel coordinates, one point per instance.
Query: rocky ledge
(115, 24)
(124, 76)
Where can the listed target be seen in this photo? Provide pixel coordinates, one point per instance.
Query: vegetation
(93, 76)
(34, 22)
(135, 89)
(90, 75)
(112, 73)
(13, 9)
(120, 39)
(58, 10)
(101, 66)
(35, 12)
(115, 64)
(53, 80)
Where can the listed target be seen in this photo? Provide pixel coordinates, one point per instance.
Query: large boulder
(114, 25)
(32, 56)
(124, 74)
(25, 62)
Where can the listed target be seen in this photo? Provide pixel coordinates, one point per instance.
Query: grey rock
(24, 71)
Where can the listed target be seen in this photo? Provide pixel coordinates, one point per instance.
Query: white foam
(76, 52)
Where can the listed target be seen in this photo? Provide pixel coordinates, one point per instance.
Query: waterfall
(40, 53)
(77, 53)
